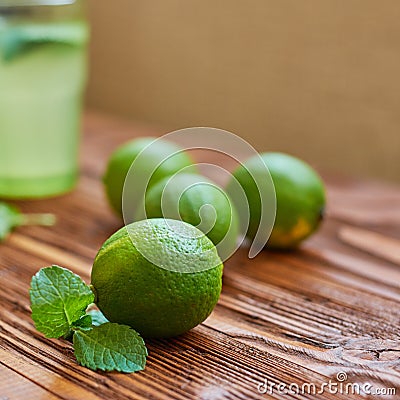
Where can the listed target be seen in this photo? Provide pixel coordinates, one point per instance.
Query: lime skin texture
(300, 198)
(160, 300)
(197, 200)
(157, 159)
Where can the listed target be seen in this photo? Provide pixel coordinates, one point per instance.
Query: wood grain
(293, 318)
(372, 242)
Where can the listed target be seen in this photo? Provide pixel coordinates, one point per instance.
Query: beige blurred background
(316, 78)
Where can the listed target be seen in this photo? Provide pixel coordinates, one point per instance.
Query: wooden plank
(15, 387)
(40, 249)
(365, 203)
(371, 242)
(293, 317)
(52, 365)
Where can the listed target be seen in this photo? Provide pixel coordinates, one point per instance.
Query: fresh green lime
(158, 159)
(300, 197)
(162, 277)
(195, 199)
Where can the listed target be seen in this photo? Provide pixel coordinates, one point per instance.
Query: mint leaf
(8, 219)
(11, 217)
(110, 347)
(84, 323)
(98, 317)
(58, 299)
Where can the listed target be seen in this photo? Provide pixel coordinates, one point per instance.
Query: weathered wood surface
(293, 318)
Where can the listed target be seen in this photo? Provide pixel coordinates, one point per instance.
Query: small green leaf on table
(59, 298)
(8, 219)
(11, 217)
(110, 347)
(84, 323)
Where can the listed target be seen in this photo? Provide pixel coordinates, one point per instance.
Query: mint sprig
(11, 217)
(59, 300)
(84, 323)
(110, 347)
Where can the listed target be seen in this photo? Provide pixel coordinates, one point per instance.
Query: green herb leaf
(11, 217)
(8, 219)
(98, 317)
(110, 347)
(58, 299)
(84, 323)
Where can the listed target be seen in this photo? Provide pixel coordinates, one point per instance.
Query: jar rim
(31, 3)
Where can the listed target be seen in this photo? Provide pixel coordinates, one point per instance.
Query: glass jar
(43, 68)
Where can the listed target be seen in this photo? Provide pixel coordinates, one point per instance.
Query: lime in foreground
(300, 197)
(162, 277)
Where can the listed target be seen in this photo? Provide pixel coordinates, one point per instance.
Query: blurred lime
(198, 201)
(158, 159)
(300, 197)
(162, 277)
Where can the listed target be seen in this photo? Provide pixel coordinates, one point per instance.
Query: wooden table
(330, 308)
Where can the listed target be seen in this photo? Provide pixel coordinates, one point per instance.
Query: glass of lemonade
(42, 78)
